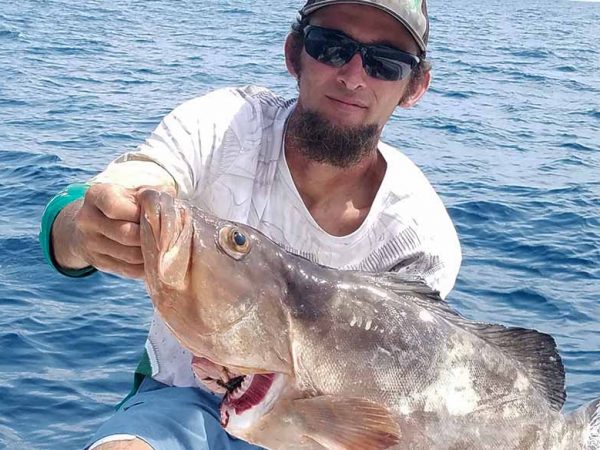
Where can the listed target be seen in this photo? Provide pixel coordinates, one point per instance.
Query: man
(310, 173)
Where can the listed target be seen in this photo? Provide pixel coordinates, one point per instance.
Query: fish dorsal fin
(536, 352)
(401, 285)
(342, 423)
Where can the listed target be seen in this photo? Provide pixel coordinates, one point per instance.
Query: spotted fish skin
(355, 359)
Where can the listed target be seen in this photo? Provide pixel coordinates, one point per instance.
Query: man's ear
(289, 51)
(418, 89)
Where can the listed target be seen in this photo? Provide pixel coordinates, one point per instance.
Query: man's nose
(352, 74)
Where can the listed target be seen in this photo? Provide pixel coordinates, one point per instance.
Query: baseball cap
(410, 13)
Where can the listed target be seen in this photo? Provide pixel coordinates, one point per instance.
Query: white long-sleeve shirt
(225, 152)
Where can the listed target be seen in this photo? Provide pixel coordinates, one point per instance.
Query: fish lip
(155, 207)
(149, 201)
(239, 413)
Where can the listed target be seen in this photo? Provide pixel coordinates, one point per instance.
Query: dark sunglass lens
(336, 49)
(314, 42)
(328, 46)
(386, 69)
(389, 64)
(338, 55)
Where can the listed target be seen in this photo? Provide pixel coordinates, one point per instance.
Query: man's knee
(132, 444)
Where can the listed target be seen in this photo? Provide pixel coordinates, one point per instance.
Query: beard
(322, 141)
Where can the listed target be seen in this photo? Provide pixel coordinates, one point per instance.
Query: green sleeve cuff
(69, 195)
(143, 370)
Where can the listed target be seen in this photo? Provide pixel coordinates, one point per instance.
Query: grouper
(320, 358)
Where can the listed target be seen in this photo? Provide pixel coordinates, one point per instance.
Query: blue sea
(509, 135)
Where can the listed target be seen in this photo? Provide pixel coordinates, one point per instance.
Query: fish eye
(239, 238)
(234, 242)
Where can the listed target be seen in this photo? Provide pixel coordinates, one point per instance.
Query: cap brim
(312, 8)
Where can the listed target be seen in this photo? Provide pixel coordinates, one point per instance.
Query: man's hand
(107, 230)
(102, 231)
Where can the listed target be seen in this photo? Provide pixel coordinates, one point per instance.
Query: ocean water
(509, 135)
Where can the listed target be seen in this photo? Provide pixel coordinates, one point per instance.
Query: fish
(321, 358)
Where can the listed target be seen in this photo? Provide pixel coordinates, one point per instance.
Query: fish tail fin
(593, 435)
(585, 422)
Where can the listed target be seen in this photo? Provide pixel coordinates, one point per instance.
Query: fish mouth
(248, 398)
(149, 201)
(163, 217)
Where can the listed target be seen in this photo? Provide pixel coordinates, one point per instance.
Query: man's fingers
(124, 253)
(92, 221)
(115, 202)
(125, 233)
(168, 188)
(107, 263)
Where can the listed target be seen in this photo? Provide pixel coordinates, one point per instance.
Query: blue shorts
(172, 418)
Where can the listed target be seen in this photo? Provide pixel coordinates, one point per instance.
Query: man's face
(346, 95)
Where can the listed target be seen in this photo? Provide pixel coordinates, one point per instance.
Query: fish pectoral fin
(346, 423)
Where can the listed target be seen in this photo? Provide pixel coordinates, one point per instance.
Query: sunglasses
(335, 49)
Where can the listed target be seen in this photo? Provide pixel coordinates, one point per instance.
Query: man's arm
(102, 231)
